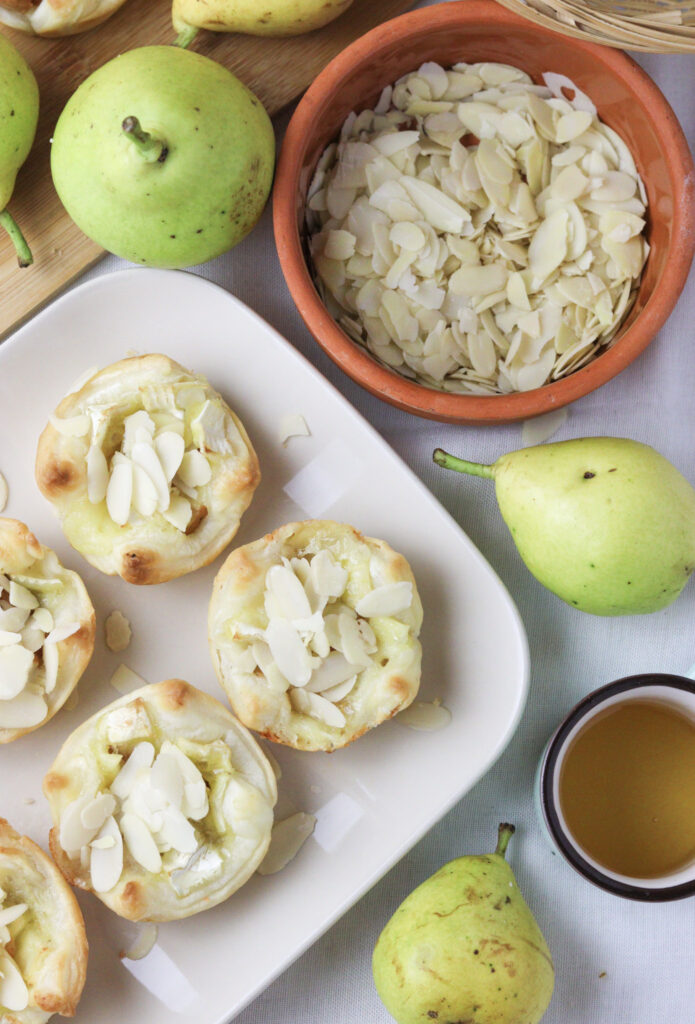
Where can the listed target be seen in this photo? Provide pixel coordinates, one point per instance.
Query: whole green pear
(19, 113)
(163, 157)
(606, 523)
(464, 948)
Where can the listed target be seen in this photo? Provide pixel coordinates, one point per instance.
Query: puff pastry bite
(313, 634)
(162, 803)
(148, 469)
(56, 17)
(43, 946)
(47, 629)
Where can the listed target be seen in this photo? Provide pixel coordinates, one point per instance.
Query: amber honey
(627, 788)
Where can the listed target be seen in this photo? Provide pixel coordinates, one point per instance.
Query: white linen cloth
(616, 962)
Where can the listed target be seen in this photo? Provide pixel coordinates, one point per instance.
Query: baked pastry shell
(175, 708)
(148, 550)
(55, 971)
(20, 552)
(69, 14)
(380, 692)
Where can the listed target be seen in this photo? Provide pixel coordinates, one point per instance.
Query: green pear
(19, 113)
(464, 948)
(163, 157)
(606, 523)
(269, 18)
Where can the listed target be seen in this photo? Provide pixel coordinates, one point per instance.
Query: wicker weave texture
(659, 26)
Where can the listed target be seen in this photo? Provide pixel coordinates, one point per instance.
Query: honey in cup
(627, 788)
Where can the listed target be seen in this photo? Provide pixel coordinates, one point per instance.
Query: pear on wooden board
(163, 157)
(253, 17)
(19, 113)
(464, 948)
(606, 523)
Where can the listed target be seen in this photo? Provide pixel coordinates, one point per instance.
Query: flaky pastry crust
(22, 555)
(147, 549)
(89, 761)
(49, 944)
(56, 17)
(383, 689)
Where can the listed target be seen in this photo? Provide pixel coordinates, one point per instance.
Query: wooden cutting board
(277, 70)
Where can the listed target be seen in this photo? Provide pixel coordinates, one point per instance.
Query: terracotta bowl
(479, 30)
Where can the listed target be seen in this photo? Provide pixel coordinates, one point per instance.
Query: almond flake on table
(118, 632)
(424, 716)
(293, 425)
(143, 943)
(124, 680)
(542, 428)
(286, 840)
(4, 493)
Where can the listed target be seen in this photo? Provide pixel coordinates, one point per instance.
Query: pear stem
(504, 834)
(448, 461)
(186, 37)
(150, 148)
(7, 221)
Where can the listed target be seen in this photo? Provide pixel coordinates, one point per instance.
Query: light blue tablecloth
(616, 962)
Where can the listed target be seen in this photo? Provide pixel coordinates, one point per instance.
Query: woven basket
(662, 26)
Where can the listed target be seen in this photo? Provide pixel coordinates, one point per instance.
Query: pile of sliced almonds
(315, 645)
(163, 459)
(150, 806)
(14, 995)
(476, 232)
(29, 653)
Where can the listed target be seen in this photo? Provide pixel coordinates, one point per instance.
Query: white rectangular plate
(374, 799)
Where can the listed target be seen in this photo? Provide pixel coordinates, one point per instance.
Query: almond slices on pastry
(313, 632)
(43, 946)
(47, 629)
(162, 803)
(148, 469)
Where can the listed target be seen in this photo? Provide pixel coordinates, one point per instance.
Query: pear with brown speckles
(464, 948)
(163, 157)
(606, 523)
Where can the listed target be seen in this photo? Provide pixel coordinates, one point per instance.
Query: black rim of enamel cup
(632, 892)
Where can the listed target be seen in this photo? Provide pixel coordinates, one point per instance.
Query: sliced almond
(13, 913)
(118, 631)
(97, 475)
(94, 814)
(424, 716)
(179, 513)
(288, 651)
(72, 833)
(14, 994)
(71, 426)
(20, 597)
(140, 843)
(119, 492)
(15, 669)
(286, 840)
(288, 595)
(316, 706)
(106, 865)
(194, 470)
(4, 493)
(327, 576)
(333, 671)
(141, 758)
(389, 599)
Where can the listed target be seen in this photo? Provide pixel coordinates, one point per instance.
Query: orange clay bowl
(479, 30)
